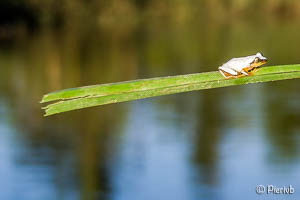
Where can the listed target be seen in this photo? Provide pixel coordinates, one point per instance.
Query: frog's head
(259, 59)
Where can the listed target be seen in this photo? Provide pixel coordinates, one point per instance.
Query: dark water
(213, 144)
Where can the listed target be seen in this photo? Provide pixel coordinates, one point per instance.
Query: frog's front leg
(245, 73)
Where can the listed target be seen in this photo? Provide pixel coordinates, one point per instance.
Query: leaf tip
(44, 99)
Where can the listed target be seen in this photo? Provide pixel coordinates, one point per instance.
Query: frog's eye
(256, 59)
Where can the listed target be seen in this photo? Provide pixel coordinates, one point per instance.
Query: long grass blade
(83, 97)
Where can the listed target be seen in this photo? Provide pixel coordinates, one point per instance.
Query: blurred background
(213, 144)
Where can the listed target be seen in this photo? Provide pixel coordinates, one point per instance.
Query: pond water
(212, 144)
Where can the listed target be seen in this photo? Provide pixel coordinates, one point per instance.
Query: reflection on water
(202, 144)
(147, 159)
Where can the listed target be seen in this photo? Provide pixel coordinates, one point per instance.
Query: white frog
(244, 66)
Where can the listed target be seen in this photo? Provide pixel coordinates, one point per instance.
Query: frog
(242, 66)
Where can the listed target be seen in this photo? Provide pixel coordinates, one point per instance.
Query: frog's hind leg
(228, 73)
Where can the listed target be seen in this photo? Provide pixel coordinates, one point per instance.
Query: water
(213, 144)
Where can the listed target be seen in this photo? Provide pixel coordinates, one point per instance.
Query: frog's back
(239, 63)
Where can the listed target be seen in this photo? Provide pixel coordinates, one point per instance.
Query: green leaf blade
(83, 97)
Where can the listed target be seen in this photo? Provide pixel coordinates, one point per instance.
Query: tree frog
(244, 66)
